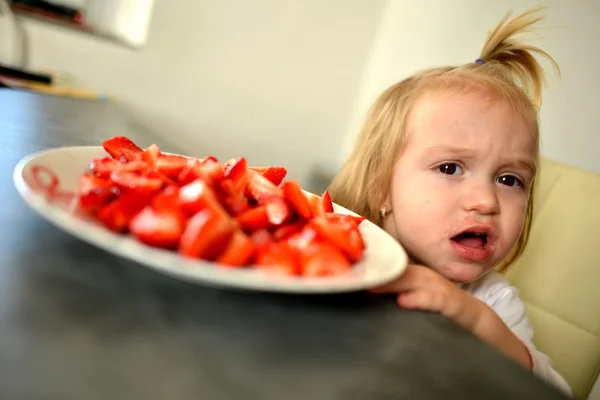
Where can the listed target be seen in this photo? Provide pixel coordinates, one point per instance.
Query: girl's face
(460, 188)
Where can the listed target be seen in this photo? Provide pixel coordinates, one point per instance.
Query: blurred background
(287, 82)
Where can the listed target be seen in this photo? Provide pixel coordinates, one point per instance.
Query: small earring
(384, 212)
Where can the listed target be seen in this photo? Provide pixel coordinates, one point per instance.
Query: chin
(461, 272)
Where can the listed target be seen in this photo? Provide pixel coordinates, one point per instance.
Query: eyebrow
(467, 153)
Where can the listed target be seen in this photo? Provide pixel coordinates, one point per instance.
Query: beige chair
(559, 273)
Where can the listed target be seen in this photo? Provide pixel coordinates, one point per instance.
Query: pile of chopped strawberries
(229, 213)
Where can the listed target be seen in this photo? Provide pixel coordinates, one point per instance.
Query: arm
(492, 311)
(506, 303)
(492, 330)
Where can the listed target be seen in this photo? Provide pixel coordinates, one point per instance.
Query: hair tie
(479, 61)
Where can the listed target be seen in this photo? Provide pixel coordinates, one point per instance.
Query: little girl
(446, 163)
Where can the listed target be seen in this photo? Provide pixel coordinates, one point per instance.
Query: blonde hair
(506, 70)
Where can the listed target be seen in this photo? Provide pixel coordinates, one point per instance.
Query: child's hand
(424, 289)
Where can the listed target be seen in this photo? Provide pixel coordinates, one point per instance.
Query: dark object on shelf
(49, 9)
(28, 76)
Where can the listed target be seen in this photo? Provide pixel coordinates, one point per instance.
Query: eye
(450, 169)
(510, 180)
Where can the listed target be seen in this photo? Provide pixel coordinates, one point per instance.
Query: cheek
(514, 219)
(415, 205)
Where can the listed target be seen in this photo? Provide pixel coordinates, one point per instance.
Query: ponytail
(504, 48)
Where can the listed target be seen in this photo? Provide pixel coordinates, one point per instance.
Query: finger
(419, 300)
(410, 279)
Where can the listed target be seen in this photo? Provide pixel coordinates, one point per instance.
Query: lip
(472, 253)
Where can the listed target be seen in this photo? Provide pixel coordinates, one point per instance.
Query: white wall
(273, 80)
(419, 35)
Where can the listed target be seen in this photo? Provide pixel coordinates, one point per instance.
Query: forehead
(470, 120)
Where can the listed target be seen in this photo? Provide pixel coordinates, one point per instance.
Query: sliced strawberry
(293, 194)
(211, 171)
(254, 219)
(349, 241)
(94, 192)
(122, 148)
(233, 200)
(304, 239)
(208, 170)
(279, 258)
(239, 250)
(351, 220)
(237, 172)
(324, 260)
(134, 181)
(171, 165)
(187, 175)
(197, 196)
(206, 235)
(274, 174)
(286, 231)
(261, 237)
(316, 206)
(167, 199)
(262, 189)
(152, 173)
(150, 155)
(159, 228)
(103, 167)
(117, 214)
(326, 201)
(277, 211)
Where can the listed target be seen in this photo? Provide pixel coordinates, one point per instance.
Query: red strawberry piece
(159, 228)
(117, 214)
(197, 196)
(261, 237)
(324, 260)
(187, 175)
(206, 235)
(171, 165)
(233, 200)
(349, 241)
(209, 158)
(94, 192)
(352, 220)
(103, 167)
(274, 174)
(286, 231)
(304, 239)
(254, 219)
(134, 181)
(152, 173)
(168, 199)
(316, 205)
(262, 189)
(237, 172)
(278, 258)
(239, 250)
(209, 171)
(122, 148)
(151, 154)
(277, 211)
(326, 201)
(293, 194)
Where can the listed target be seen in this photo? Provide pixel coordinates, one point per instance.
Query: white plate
(383, 260)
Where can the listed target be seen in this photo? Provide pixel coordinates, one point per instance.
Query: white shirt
(495, 291)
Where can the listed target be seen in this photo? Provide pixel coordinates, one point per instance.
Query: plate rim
(104, 239)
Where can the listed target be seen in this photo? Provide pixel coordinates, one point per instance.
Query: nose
(482, 198)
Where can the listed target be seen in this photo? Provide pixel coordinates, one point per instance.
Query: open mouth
(475, 240)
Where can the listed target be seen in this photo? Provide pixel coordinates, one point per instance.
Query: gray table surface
(79, 323)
